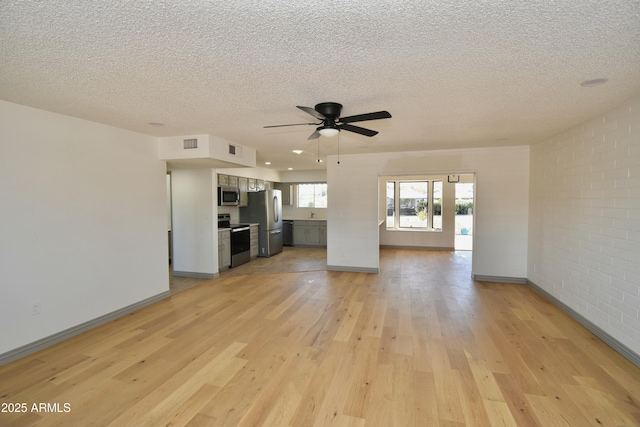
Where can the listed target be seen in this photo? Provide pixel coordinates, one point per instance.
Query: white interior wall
(195, 232)
(84, 222)
(584, 246)
(501, 205)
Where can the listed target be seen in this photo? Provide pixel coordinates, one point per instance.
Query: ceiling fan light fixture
(328, 132)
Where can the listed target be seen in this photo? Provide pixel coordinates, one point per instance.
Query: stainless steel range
(240, 240)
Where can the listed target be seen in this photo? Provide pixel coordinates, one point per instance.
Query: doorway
(464, 194)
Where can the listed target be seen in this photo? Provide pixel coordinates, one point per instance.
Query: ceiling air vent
(190, 144)
(235, 151)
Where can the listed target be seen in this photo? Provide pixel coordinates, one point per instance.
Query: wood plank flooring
(420, 344)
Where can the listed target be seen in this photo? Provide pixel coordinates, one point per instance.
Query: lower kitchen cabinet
(323, 233)
(224, 249)
(309, 233)
(254, 249)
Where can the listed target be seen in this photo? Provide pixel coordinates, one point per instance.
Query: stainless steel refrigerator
(265, 208)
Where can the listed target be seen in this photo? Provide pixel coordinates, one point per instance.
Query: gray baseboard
(625, 351)
(419, 248)
(192, 275)
(45, 342)
(353, 269)
(499, 279)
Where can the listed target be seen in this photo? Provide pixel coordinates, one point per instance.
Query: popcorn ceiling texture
(453, 74)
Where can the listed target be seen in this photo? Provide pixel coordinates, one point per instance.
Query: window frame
(394, 223)
(315, 195)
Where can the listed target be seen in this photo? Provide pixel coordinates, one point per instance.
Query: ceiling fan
(331, 122)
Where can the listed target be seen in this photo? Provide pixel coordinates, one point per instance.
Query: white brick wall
(584, 227)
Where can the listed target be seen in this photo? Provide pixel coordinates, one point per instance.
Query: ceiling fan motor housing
(330, 110)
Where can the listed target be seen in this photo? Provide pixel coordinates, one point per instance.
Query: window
(414, 200)
(312, 195)
(414, 204)
(391, 204)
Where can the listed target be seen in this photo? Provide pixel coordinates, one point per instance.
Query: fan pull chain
(338, 148)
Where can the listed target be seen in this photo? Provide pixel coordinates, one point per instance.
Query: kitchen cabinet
(243, 187)
(309, 233)
(224, 249)
(286, 190)
(254, 241)
(243, 184)
(323, 233)
(299, 233)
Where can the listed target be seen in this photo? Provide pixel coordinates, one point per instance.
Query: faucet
(312, 214)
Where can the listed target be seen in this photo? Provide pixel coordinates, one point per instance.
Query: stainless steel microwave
(228, 196)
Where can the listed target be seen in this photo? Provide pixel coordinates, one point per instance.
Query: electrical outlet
(36, 308)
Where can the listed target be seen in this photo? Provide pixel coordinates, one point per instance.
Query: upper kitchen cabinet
(243, 187)
(286, 190)
(223, 180)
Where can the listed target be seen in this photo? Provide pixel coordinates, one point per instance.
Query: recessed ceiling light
(155, 124)
(267, 163)
(289, 169)
(594, 82)
(297, 151)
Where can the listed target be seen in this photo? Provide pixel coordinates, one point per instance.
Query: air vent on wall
(190, 144)
(235, 151)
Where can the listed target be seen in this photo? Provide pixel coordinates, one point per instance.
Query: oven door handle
(235, 230)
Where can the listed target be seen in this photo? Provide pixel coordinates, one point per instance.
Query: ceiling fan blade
(364, 117)
(313, 112)
(315, 135)
(358, 129)
(293, 124)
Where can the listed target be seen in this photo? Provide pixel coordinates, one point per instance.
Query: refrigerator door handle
(276, 214)
(275, 232)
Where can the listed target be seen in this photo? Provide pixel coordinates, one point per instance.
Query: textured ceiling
(452, 73)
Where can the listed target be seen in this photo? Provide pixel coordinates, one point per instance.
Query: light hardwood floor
(420, 344)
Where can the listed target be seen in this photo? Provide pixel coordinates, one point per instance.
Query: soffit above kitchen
(452, 74)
